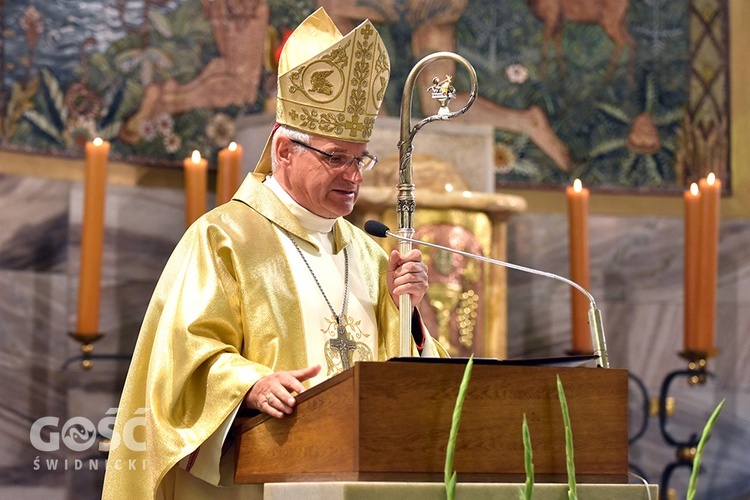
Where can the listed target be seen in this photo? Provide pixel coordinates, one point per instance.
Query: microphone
(596, 327)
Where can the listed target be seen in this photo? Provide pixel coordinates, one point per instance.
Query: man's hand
(407, 274)
(273, 394)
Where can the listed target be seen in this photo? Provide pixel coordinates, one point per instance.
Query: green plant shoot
(528, 462)
(569, 458)
(450, 475)
(692, 485)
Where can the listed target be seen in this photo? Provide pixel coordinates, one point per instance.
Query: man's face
(324, 191)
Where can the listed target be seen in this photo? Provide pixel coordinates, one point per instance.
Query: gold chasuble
(225, 313)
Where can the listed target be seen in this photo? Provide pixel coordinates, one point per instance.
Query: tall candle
(228, 176)
(692, 199)
(196, 173)
(578, 234)
(92, 236)
(710, 189)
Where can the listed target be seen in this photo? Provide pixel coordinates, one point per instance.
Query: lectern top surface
(566, 361)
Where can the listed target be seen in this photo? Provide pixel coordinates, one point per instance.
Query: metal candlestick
(664, 407)
(87, 348)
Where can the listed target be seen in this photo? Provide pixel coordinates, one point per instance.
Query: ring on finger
(268, 398)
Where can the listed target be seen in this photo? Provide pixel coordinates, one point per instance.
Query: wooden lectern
(390, 421)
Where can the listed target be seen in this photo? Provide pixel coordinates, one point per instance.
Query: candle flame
(232, 146)
(711, 179)
(694, 189)
(196, 156)
(577, 186)
(449, 187)
(98, 142)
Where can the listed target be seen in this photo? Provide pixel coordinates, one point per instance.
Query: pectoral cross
(343, 344)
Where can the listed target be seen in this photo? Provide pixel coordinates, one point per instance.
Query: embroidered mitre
(328, 84)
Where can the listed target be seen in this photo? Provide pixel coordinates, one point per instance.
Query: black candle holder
(696, 374)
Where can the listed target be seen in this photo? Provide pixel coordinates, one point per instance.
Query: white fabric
(329, 268)
(206, 464)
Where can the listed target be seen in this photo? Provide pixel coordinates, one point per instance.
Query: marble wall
(39, 365)
(636, 277)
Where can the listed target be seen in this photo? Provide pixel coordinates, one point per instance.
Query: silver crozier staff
(443, 92)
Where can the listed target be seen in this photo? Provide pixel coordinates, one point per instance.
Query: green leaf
(21, 101)
(650, 93)
(147, 72)
(56, 94)
(450, 487)
(160, 23)
(121, 45)
(692, 485)
(606, 147)
(614, 112)
(528, 460)
(160, 58)
(111, 130)
(669, 117)
(129, 59)
(43, 124)
(450, 475)
(569, 456)
(98, 60)
(189, 22)
(132, 97)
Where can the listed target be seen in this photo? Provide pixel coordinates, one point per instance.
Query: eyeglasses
(342, 159)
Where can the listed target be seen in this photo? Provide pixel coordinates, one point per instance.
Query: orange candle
(228, 176)
(692, 199)
(196, 173)
(92, 236)
(710, 189)
(578, 234)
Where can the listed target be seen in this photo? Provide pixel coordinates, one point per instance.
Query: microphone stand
(443, 92)
(596, 327)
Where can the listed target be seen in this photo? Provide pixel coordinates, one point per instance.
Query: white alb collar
(307, 219)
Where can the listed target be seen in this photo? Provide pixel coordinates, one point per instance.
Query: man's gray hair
(289, 133)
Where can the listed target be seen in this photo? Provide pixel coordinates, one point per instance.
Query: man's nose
(353, 173)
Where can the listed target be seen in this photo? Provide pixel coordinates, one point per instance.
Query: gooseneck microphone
(596, 327)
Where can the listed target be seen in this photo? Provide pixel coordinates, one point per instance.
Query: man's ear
(283, 148)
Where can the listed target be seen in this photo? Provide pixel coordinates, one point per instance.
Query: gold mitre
(330, 85)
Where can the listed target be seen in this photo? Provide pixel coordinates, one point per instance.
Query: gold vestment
(224, 314)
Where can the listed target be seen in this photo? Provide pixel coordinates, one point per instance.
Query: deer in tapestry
(433, 24)
(609, 14)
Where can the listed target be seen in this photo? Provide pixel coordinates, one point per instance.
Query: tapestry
(627, 95)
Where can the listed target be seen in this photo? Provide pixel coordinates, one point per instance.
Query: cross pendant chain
(342, 343)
